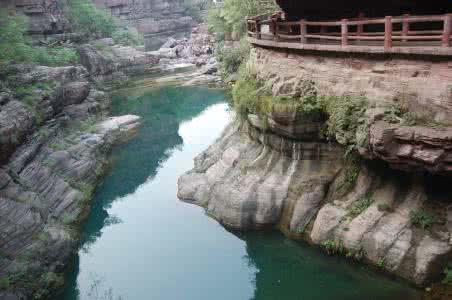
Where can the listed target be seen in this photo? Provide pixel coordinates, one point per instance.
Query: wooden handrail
(289, 29)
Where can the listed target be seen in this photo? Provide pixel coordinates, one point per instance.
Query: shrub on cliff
(227, 21)
(94, 23)
(230, 16)
(346, 122)
(194, 8)
(128, 36)
(87, 19)
(15, 45)
(231, 58)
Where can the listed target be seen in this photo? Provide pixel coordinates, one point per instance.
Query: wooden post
(360, 27)
(447, 30)
(344, 33)
(388, 32)
(258, 29)
(303, 31)
(405, 27)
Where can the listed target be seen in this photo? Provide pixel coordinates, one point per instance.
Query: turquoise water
(141, 242)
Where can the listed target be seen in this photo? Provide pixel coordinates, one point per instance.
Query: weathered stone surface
(328, 219)
(379, 79)
(157, 20)
(252, 178)
(411, 148)
(16, 121)
(72, 93)
(47, 74)
(94, 61)
(47, 174)
(129, 56)
(196, 50)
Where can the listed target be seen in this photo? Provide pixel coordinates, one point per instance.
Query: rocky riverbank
(55, 139)
(388, 205)
(55, 136)
(252, 179)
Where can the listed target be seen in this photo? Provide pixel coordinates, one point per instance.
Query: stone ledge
(430, 51)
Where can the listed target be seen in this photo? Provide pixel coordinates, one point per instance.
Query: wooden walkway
(401, 34)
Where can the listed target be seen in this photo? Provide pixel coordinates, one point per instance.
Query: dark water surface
(141, 242)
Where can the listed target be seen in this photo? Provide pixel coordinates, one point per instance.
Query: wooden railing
(347, 31)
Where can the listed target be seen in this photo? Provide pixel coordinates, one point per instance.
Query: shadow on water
(162, 110)
(166, 249)
(287, 269)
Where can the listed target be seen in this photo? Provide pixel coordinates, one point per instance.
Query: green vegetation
(384, 207)
(448, 274)
(353, 167)
(223, 20)
(15, 45)
(227, 21)
(29, 279)
(381, 263)
(194, 8)
(356, 254)
(89, 20)
(346, 122)
(94, 23)
(334, 247)
(4, 282)
(360, 205)
(128, 36)
(232, 58)
(423, 219)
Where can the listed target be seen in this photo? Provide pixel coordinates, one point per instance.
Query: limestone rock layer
(251, 179)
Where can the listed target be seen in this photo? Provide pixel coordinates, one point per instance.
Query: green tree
(89, 20)
(15, 45)
(230, 16)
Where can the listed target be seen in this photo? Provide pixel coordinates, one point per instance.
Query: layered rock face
(156, 19)
(252, 178)
(280, 170)
(423, 86)
(53, 152)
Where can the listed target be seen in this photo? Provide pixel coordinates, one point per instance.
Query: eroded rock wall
(252, 178)
(280, 170)
(422, 85)
(156, 19)
(53, 151)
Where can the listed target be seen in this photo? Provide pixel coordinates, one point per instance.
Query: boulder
(411, 147)
(16, 121)
(71, 93)
(170, 43)
(94, 61)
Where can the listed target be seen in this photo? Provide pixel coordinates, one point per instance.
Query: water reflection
(163, 110)
(287, 269)
(145, 244)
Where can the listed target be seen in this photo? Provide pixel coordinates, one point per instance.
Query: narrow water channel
(140, 242)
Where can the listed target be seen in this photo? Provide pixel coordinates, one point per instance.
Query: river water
(140, 242)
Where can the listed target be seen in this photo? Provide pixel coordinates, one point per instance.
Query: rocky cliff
(388, 205)
(156, 19)
(55, 137)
